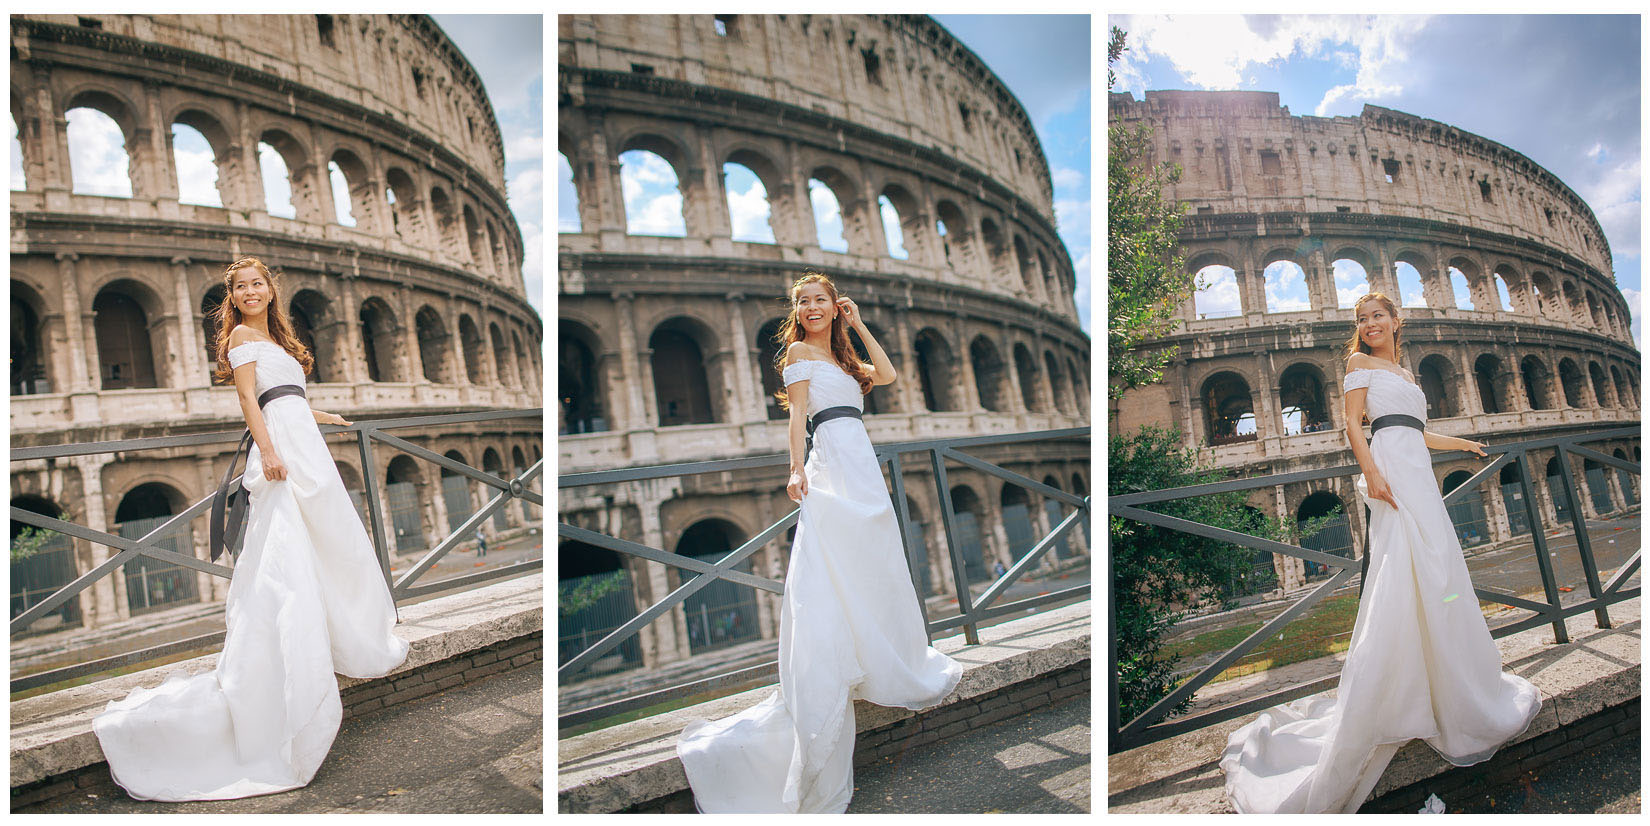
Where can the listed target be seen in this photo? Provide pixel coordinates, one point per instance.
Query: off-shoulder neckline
(815, 361)
(256, 341)
(1410, 382)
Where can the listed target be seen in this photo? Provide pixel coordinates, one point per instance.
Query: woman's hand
(274, 468)
(797, 487)
(849, 310)
(331, 418)
(1379, 489)
(1471, 446)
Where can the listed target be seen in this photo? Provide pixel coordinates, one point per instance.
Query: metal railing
(971, 610)
(366, 432)
(1148, 726)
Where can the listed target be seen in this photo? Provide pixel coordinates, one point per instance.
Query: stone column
(84, 376)
(909, 386)
(637, 383)
(670, 630)
(747, 397)
(162, 170)
(192, 372)
(1496, 511)
(461, 362)
(105, 601)
(968, 386)
(1016, 401)
(411, 357)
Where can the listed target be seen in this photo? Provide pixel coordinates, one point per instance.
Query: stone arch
(1544, 295)
(433, 343)
(1025, 368)
(850, 208)
(127, 339)
(360, 200)
(1303, 399)
(1281, 271)
(1495, 383)
(83, 131)
(407, 493)
(311, 316)
(1413, 291)
(480, 254)
(226, 168)
(1572, 382)
(721, 613)
(969, 515)
(681, 383)
(638, 220)
(956, 237)
(1056, 381)
(1350, 267)
(446, 222)
(1028, 273)
(1603, 390)
(381, 342)
(995, 243)
(31, 358)
(907, 222)
(1573, 306)
(474, 345)
(1437, 376)
(936, 371)
(211, 305)
(295, 156)
(1538, 382)
(1333, 536)
(768, 181)
(152, 584)
(581, 389)
(1471, 525)
(502, 362)
(990, 374)
(1228, 409)
(767, 359)
(1217, 293)
(529, 368)
(404, 202)
(1594, 314)
(44, 572)
(1623, 397)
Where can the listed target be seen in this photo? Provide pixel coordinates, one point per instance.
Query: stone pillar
(192, 372)
(637, 382)
(1016, 401)
(411, 357)
(105, 601)
(82, 339)
(670, 630)
(968, 386)
(747, 397)
(162, 170)
(461, 361)
(1495, 507)
(909, 385)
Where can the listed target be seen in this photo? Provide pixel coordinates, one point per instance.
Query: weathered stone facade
(666, 343)
(417, 309)
(1381, 189)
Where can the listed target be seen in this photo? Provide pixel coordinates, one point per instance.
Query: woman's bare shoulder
(803, 351)
(1359, 361)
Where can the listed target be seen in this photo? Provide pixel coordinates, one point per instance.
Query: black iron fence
(155, 547)
(1150, 725)
(972, 610)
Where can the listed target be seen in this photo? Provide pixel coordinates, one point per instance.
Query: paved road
(1035, 763)
(1603, 780)
(472, 749)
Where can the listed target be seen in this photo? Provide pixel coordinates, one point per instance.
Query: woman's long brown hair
(1357, 345)
(280, 328)
(841, 350)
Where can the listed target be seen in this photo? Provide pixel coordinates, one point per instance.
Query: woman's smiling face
(814, 308)
(250, 291)
(1376, 325)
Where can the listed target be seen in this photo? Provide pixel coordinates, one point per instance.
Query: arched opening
(653, 203)
(1503, 295)
(19, 181)
(1624, 480)
(1351, 282)
(767, 356)
(1028, 266)
(1262, 574)
(749, 211)
(379, 341)
(721, 613)
(1593, 311)
(1541, 286)
(1538, 387)
(405, 208)
(125, 353)
(681, 384)
(567, 200)
(343, 210)
(474, 354)
(502, 363)
(352, 196)
(881, 399)
(280, 159)
(151, 583)
(493, 463)
(432, 345)
(1015, 505)
(1461, 289)
(1512, 497)
(828, 219)
(529, 369)
(42, 562)
(28, 343)
(1437, 379)
(968, 514)
(996, 252)
(308, 313)
(1056, 382)
(98, 161)
(455, 492)
(990, 377)
(1303, 401)
(480, 255)
(1055, 512)
(1555, 492)
(1333, 537)
(1471, 527)
(1569, 377)
(1597, 486)
(1410, 289)
(901, 227)
(579, 389)
(952, 229)
(1228, 409)
(1217, 293)
(594, 596)
(404, 490)
(1602, 389)
(1487, 372)
(1025, 368)
(936, 371)
(197, 167)
(211, 303)
(1623, 397)
(446, 222)
(1286, 287)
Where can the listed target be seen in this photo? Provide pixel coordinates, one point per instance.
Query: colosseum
(666, 344)
(1513, 323)
(410, 294)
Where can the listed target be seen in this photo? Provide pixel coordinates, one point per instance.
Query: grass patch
(114, 672)
(656, 708)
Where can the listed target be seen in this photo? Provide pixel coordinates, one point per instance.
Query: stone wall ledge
(1598, 669)
(633, 764)
(51, 734)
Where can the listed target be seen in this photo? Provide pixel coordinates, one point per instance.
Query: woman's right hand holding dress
(274, 469)
(1379, 489)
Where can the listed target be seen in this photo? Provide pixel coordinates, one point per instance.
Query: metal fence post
(1544, 562)
(1584, 543)
(959, 569)
(369, 480)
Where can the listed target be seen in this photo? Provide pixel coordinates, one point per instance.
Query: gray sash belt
(829, 413)
(225, 529)
(1395, 420)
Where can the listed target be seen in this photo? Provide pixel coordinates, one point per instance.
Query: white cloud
(1615, 198)
(1217, 293)
(1066, 177)
(567, 197)
(97, 155)
(524, 147)
(827, 217)
(1286, 288)
(1634, 297)
(197, 170)
(1598, 152)
(748, 208)
(1081, 295)
(893, 235)
(652, 201)
(341, 206)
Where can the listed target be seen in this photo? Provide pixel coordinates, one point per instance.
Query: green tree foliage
(578, 594)
(31, 540)
(1146, 275)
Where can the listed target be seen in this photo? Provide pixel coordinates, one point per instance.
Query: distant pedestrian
(1000, 569)
(481, 544)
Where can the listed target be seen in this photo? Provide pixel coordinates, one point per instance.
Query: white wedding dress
(307, 599)
(849, 628)
(1421, 664)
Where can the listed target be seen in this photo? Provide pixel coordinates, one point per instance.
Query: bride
(307, 598)
(1422, 663)
(850, 626)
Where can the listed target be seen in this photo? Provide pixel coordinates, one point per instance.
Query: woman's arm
(323, 417)
(1438, 441)
(882, 367)
(246, 389)
(796, 394)
(1353, 408)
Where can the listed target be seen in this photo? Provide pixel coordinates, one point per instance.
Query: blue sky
(1044, 60)
(1562, 90)
(507, 50)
